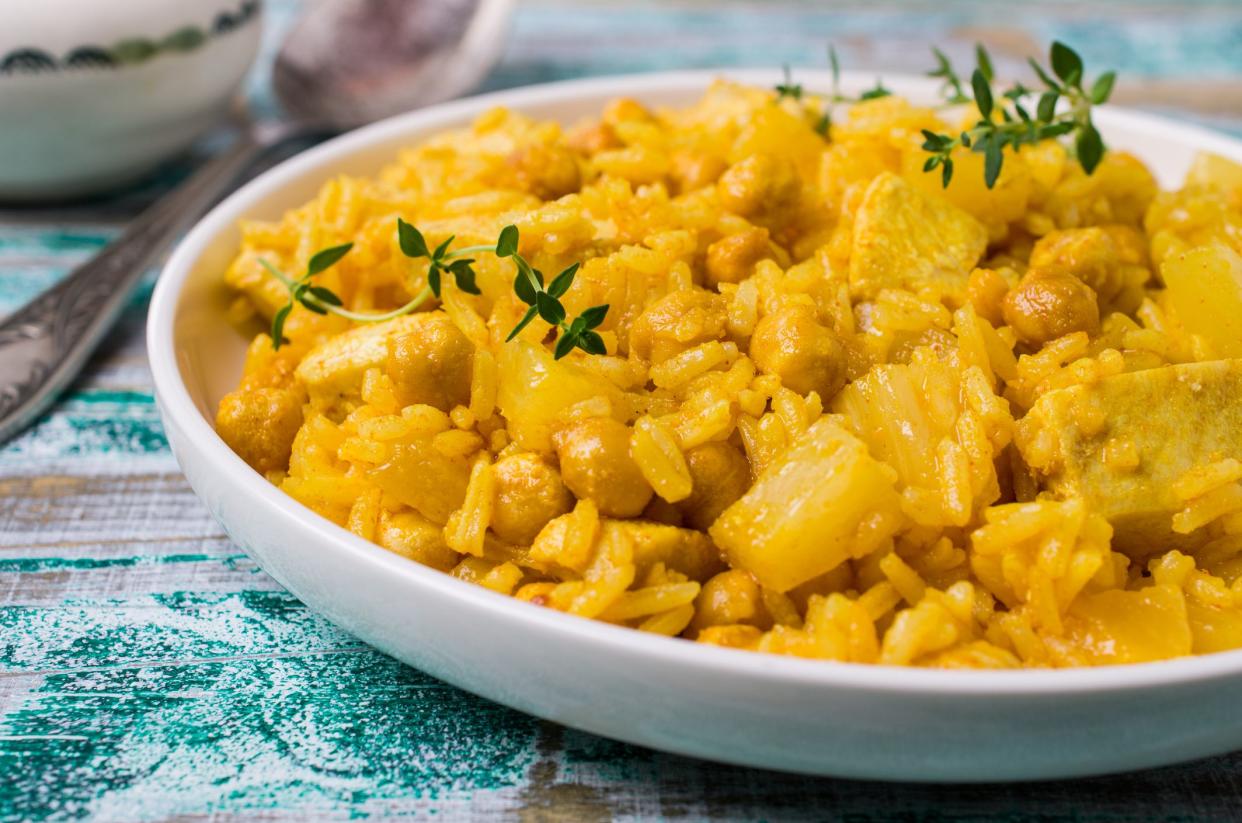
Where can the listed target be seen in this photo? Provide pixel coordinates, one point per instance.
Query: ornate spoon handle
(44, 344)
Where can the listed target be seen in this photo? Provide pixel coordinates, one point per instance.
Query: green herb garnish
(528, 284)
(794, 91)
(1017, 125)
(1005, 121)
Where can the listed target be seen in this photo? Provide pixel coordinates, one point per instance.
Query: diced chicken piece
(678, 321)
(1122, 443)
(823, 501)
(333, 370)
(904, 238)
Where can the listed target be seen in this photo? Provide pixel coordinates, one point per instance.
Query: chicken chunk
(1122, 443)
(684, 550)
(904, 238)
(332, 371)
(678, 321)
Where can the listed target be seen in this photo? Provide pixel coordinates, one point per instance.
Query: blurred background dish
(96, 94)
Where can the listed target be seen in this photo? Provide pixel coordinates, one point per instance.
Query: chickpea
(732, 259)
(730, 598)
(411, 535)
(1048, 305)
(986, 290)
(625, 109)
(806, 355)
(529, 493)
(548, 172)
(593, 139)
(721, 475)
(432, 363)
(692, 170)
(759, 186)
(596, 465)
(678, 321)
(1112, 260)
(260, 424)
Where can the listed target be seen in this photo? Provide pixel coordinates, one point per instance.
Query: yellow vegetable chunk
(995, 207)
(1214, 629)
(1172, 418)
(823, 501)
(773, 130)
(333, 370)
(1205, 288)
(535, 389)
(1218, 172)
(1118, 626)
(904, 238)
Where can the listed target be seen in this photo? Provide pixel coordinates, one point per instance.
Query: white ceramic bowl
(94, 94)
(739, 707)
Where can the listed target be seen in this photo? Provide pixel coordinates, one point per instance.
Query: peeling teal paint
(118, 397)
(150, 743)
(35, 565)
(88, 632)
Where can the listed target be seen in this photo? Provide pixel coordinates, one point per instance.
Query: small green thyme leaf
(561, 283)
(594, 316)
(591, 343)
(1066, 63)
(565, 345)
(327, 258)
(550, 309)
(530, 315)
(411, 240)
(1102, 89)
(507, 244)
(278, 325)
(1090, 148)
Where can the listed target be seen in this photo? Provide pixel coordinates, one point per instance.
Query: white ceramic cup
(94, 94)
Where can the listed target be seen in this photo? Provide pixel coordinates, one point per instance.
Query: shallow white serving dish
(738, 707)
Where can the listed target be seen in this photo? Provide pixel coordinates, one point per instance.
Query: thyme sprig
(544, 302)
(795, 91)
(1006, 122)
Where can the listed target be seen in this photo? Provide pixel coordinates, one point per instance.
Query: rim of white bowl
(175, 402)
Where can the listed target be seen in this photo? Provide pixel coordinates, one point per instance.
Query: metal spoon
(344, 64)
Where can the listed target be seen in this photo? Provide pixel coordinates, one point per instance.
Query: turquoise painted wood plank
(148, 669)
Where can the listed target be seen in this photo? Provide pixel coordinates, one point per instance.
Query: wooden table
(148, 669)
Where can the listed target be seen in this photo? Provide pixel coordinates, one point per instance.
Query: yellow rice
(922, 516)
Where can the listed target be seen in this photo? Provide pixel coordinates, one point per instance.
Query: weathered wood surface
(148, 669)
